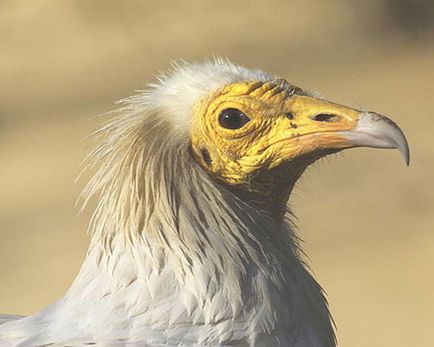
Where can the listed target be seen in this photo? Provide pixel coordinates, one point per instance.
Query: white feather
(175, 259)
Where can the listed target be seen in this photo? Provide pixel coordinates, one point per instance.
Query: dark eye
(231, 118)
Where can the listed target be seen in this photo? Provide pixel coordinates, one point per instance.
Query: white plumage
(175, 259)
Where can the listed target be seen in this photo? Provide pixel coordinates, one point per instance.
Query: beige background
(366, 218)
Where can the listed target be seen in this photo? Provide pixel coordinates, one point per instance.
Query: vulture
(192, 240)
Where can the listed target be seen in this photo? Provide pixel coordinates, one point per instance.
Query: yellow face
(244, 132)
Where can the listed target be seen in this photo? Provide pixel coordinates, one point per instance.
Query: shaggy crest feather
(145, 147)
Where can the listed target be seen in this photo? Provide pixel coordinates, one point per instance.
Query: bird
(192, 241)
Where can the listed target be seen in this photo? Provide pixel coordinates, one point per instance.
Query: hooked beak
(377, 131)
(322, 125)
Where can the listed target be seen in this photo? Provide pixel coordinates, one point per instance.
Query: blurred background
(367, 220)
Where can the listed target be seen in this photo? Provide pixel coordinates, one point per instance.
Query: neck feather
(158, 205)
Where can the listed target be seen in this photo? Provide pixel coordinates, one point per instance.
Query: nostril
(325, 117)
(289, 115)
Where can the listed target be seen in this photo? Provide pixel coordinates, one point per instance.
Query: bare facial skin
(250, 135)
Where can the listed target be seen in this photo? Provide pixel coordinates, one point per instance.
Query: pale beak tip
(377, 131)
(405, 151)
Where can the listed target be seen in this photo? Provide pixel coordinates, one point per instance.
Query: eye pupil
(231, 118)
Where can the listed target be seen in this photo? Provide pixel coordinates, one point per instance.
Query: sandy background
(368, 221)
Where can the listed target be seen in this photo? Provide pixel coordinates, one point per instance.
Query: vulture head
(256, 137)
(244, 132)
(192, 241)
